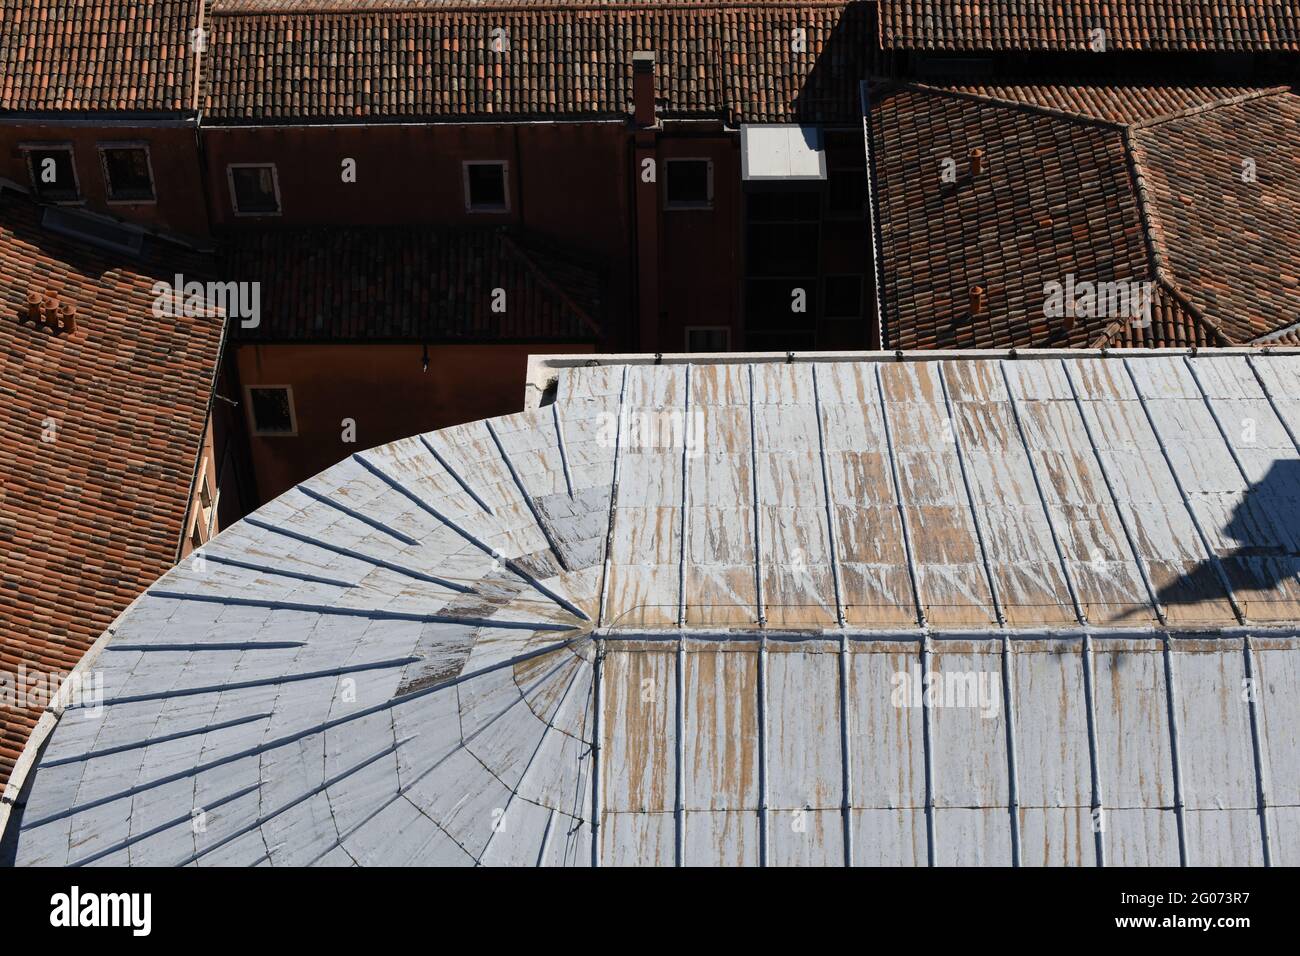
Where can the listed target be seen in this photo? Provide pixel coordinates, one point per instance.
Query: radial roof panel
(844, 611)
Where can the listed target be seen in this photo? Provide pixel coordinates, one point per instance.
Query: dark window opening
(782, 250)
(846, 192)
(272, 411)
(53, 175)
(689, 183)
(784, 206)
(254, 190)
(127, 170)
(773, 305)
(708, 339)
(485, 186)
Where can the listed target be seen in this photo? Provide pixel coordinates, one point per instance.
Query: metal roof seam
(1212, 556)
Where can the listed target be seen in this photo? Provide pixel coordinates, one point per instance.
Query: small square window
(843, 297)
(485, 187)
(701, 338)
(271, 408)
(54, 177)
(254, 189)
(688, 184)
(127, 172)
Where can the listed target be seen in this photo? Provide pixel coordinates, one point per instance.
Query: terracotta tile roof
(1232, 247)
(1288, 336)
(1113, 104)
(60, 55)
(90, 518)
(413, 284)
(1098, 184)
(734, 62)
(1129, 24)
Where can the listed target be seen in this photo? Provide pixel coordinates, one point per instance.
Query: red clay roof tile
(739, 63)
(1102, 184)
(91, 517)
(110, 55)
(1239, 25)
(425, 284)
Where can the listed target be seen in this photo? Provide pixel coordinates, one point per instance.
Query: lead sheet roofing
(584, 634)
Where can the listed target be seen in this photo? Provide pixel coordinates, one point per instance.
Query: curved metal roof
(947, 611)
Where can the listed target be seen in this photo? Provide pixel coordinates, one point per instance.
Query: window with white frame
(53, 171)
(254, 189)
(486, 186)
(128, 173)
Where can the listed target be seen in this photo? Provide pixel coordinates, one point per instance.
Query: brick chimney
(643, 87)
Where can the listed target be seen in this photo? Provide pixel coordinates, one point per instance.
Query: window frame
(673, 206)
(28, 148)
(472, 209)
(104, 148)
(686, 337)
(234, 198)
(252, 415)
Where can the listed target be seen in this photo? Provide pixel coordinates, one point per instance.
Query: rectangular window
(254, 189)
(127, 172)
(688, 184)
(54, 176)
(271, 409)
(708, 338)
(485, 187)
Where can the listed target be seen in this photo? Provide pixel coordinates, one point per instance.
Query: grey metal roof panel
(1039, 610)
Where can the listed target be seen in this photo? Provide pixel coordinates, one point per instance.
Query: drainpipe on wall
(645, 165)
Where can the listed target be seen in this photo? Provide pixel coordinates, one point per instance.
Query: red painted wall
(573, 182)
(173, 153)
(383, 389)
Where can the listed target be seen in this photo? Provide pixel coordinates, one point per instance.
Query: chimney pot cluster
(44, 310)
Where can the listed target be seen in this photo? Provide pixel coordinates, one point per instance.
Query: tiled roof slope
(72, 55)
(736, 62)
(1112, 104)
(1233, 247)
(1129, 24)
(1060, 196)
(89, 518)
(412, 284)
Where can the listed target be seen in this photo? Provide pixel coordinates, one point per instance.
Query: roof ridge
(1275, 334)
(1108, 334)
(1254, 94)
(514, 247)
(1151, 233)
(1000, 101)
